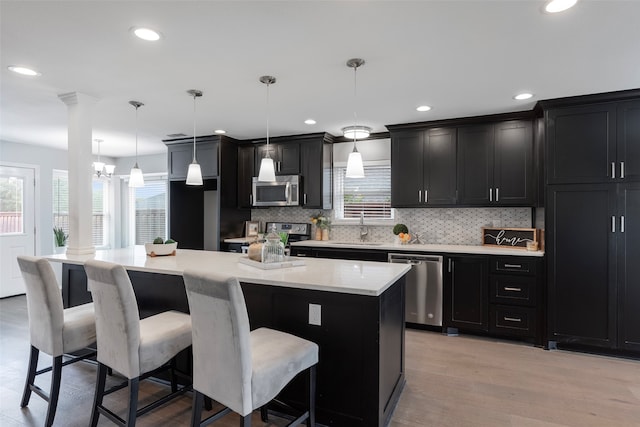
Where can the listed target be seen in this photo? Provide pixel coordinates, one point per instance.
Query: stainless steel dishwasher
(423, 288)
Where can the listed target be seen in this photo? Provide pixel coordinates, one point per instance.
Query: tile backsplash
(458, 226)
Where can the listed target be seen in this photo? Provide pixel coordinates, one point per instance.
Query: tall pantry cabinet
(593, 220)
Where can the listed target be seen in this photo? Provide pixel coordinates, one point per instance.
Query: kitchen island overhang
(361, 331)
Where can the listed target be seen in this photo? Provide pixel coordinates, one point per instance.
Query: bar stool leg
(99, 394)
(196, 413)
(245, 421)
(172, 375)
(133, 401)
(264, 414)
(56, 374)
(31, 376)
(311, 422)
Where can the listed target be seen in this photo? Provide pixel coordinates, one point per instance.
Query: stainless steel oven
(284, 191)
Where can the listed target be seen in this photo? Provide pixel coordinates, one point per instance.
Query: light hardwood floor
(451, 381)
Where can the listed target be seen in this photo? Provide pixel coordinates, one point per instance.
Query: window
(100, 220)
(148, 210)
(11, 214)
(370, 195)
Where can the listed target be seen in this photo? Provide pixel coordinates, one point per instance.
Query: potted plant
(60, 239)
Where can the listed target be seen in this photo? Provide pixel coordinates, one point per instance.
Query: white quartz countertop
(440, 249)
(351, 277)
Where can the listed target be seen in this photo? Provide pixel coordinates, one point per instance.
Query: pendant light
(194, 175)
(135, 177)
(100, 168)
(267, 170)
(355, 169)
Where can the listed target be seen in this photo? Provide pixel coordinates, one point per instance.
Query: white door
(17, 219)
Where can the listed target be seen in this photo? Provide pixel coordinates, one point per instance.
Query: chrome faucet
(364, 230)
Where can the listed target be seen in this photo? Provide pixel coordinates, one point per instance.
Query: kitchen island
(359, 328)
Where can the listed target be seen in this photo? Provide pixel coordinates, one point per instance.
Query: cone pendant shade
(267, 171)
(354, 165)
(194, 174)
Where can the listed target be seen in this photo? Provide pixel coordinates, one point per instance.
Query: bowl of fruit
(161, 247)
(402, 232)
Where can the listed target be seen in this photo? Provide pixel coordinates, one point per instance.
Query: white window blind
(149, 210)
(370, 195)
(100, 214)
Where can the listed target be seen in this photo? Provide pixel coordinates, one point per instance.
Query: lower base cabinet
(498, 295)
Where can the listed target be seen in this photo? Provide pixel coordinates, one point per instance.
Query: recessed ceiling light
(423, 108)
(220, 131)
(23, 70)
(310, 122)
(523, 96)
(146, 34)
(555, 6)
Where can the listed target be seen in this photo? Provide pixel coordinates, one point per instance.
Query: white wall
(49, 159)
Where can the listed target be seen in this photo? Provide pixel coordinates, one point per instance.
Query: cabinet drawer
(519, 265)
(506, 320)
(508, 289)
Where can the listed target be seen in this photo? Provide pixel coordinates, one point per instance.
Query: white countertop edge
(134, 259)
(432, 248)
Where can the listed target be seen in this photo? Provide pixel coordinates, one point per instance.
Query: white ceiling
(464, 58)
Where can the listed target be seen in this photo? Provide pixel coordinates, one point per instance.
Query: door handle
(622, 224)
(304, 198)
(450, 264)
(491, 194)
(613, 224)
(419, 196)
(613, 170)
(287, 192)
(426, 196)
(251, 199)
(622, 170)
(497, 194)
(512, 319)
(508, 288)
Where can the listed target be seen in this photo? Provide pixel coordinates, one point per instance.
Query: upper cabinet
(482, 161)
(181, 155)
(286, 157)
(495, 164)
(594, 143)
(423, 167)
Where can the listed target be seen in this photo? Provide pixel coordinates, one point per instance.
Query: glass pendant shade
(194, 174)
(97, 167)
(355, 169)
(135, 177)
(267, 170)
(109, 169)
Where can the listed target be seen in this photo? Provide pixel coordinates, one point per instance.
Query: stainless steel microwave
(284, 191)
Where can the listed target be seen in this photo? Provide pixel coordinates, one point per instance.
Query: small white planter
(160, 249)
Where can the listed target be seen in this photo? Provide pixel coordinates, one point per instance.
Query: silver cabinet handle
(426, 196)
(450, 264)
(622, 224)
(497, 194)
(491, 194)
(512, 319)
(508, 288)
(304, 198)
(513, 265)
(251, 199)
(622, 170)
(613, 170)
(613, 224)
(419, 196)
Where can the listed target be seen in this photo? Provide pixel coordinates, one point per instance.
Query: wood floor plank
(451, 382)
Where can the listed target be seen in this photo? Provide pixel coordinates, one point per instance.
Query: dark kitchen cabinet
(466, 296)
(181, 155)
(285, 155)
(594, 143)
(581, 250)
(423, 167)
(495, 164)
(246, 172)
(316, 155)
(628, 240)
(201, 216)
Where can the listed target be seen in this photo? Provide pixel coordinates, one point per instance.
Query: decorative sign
(509, 237)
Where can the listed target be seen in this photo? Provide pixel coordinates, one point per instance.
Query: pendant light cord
(194, 128)
(136, 166)
(355, 105)
(268, 84)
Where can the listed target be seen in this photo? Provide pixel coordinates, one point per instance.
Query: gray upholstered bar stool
(133, 347)
(52, 329)
(240, 369)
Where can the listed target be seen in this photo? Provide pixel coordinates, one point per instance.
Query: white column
(80, 109)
